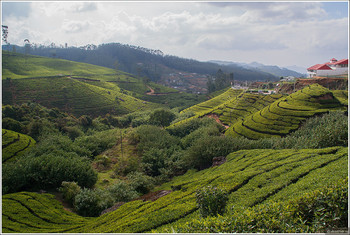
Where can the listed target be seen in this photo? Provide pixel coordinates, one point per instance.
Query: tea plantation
(286, 114)
(14, 145)
(253, 178)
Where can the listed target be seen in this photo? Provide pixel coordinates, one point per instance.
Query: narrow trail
(151, 92)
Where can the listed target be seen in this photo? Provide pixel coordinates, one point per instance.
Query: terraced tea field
(286, 114)
(71, 96)
(206, 107)
(252, 177)
(14, 145)
(243, 105)
(73, 87)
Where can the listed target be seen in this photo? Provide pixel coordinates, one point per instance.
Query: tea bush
(211, 201)
(69, 190)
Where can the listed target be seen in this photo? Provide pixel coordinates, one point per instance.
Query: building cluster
(332, 68)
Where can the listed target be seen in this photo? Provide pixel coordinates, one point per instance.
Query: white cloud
(75, 26)
(238, 31)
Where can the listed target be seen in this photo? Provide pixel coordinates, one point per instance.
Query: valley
(126, 154)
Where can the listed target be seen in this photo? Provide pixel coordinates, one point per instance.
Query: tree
(161, 117)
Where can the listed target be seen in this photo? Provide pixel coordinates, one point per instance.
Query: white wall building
(331, 68)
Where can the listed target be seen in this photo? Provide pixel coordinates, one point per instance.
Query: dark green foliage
(58, 145)
(140, 182)
(147, 137)
(87, 203)
(73, 131)
(69, 190)
(202, 152)
(91, 202)
(46, 172)
(97, 143)
(213, 130)
(153, 160)
(12, 124)
(161, 117)
(324, 209)
(319, 132)
(122, 191)
(211, 201)
(186, 128)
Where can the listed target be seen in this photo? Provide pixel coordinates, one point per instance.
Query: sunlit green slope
(73, 87)
(205, 107)
(243, 105)
(286, 114)
(252, 177)
(14, 144)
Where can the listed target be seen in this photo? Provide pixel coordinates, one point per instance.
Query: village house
(332, 68)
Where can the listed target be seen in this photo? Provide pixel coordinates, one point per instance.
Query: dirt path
(151, 92)
(216, 117)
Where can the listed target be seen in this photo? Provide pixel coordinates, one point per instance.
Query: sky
(272, 33)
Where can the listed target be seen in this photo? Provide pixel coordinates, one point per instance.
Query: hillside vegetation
(15, 144)
(81, 88)
(286, 114)
(252, 178)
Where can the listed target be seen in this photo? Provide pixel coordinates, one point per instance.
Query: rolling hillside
(286, 114)
(253, 178)
(82, 88)
(14, 145)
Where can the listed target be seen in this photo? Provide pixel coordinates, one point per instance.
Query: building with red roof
(332, 68)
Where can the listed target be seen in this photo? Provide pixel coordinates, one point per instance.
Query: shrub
(161, 117)
(211, 201)
(181, 130)
(188, 140)
(46, 172)
(323, 131)
(147, 137)
(140, 182)
(202, 152)
(122, 192)
(12, 124)
(69, 191)
(153, 160)
(87, 203)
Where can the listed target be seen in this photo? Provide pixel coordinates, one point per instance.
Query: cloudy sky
(274, 33)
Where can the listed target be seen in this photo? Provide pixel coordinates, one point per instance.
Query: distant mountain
(144, 62)
(271, 69)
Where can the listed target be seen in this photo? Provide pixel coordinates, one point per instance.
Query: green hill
(65, 85)
(252, 177)
(14, 144)
(82, 88)
(286, 114)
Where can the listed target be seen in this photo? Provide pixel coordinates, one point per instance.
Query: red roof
(320, 67)
(343, 61)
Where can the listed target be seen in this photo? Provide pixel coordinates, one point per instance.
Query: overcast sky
(273, 33)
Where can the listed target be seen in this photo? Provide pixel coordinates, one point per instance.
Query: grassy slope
(14, 144)
(38, 80)
(242, 106)
(253, 177)
(286, 114)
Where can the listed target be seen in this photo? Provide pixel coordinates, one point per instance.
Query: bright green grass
(286, 114)
(252, 177)
(205, 107)
(14, 145)
(17, 65)
(72, 96)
